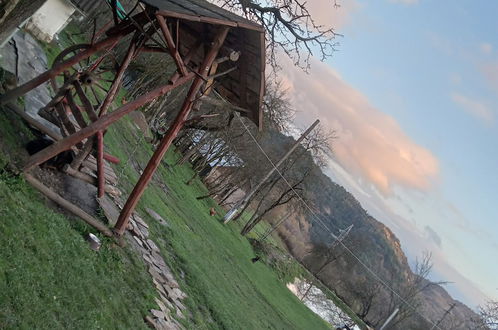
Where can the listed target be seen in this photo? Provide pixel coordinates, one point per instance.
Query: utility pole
(389, 319)
(230, 214)
(436, 325)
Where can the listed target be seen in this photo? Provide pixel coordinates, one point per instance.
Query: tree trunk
(15, 12)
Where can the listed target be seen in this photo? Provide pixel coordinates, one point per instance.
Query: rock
(156, 275)
(165, 300)
(161, 305)
(110, 209)
(138, 240)
(158, 259)
(150, 321)
(140, 221)
(179, 313)
(143, 230)
(180, 305)
(170, 292)
(156, 313)
(159, 287)
(157, 217)
(152, 245)
(147, 258)
(179, 293)
(172, 325)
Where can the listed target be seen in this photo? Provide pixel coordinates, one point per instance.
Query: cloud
(432, 235)
(324, 12)
(486, 48)
(473, 107)
(371, 145)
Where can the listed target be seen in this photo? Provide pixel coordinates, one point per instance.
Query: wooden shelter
(212, 49)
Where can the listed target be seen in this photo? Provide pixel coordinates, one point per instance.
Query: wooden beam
(171, 45)
(68, 205)
(111, 94)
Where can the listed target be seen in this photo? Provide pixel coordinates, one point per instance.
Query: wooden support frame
(100, 165)
(177, 125)
(91, 133)
(111, 95)
(101, 124)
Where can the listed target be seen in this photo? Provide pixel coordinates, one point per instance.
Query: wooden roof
(243, 87)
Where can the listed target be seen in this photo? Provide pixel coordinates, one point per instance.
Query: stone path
(170, 295)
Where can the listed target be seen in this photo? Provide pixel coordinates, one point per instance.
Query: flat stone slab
(157, 217)
(111, 211)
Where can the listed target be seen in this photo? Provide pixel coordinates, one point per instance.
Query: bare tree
(277, 108)
(488, 316)
(289, 27)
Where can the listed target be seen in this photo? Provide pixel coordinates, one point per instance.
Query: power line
(315, 215)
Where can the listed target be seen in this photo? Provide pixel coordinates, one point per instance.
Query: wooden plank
(68, 205)
(101, 175)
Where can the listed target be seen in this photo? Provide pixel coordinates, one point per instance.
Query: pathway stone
(157, 217)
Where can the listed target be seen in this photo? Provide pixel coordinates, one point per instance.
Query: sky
(412, 96)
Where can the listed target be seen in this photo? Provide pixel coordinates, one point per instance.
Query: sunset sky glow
(412, 95)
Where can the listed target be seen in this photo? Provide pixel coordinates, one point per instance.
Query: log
(68, 205)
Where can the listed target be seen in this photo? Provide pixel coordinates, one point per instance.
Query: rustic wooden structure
(206, 43)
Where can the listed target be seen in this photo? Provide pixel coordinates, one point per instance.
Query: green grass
(49, 278)
(226, 290)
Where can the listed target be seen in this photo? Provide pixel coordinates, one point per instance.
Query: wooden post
(101, 124)
(117, 80)
(171, 134)
(100, 165)
(171, 45)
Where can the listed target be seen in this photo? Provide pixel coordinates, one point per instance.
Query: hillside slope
(375, 244)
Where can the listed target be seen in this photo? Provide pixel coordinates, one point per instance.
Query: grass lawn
(226, 290)
(49, 278)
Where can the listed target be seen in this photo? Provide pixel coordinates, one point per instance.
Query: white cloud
(473, 107)
(370, 145)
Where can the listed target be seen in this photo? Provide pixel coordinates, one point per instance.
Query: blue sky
(412, 95)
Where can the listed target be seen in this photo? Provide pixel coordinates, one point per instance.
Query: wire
(315, 215)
